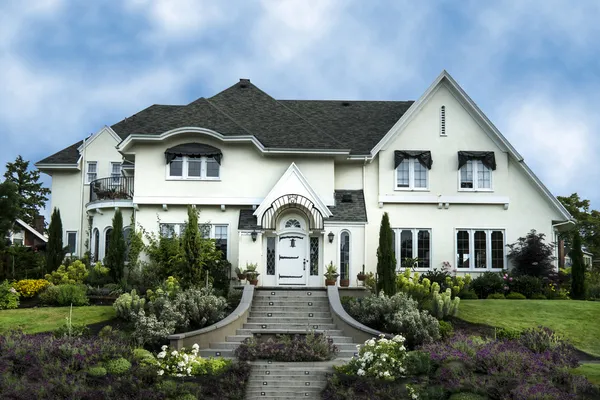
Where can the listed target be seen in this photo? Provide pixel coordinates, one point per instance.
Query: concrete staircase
(287, 311)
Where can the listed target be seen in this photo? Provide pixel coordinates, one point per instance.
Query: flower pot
(253, 281)
(241, 277)
(344, 282)
(361, 277)
(330, 282)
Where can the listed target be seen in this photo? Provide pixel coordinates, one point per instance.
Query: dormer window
(193, 161)
(475, 170)
(412, 169)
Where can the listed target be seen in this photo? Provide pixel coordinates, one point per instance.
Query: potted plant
(346, 281)
(361, 275)
(251, 274)
(241, 276)
(331, 275)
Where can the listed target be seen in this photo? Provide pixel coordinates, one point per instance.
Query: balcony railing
(113, 188)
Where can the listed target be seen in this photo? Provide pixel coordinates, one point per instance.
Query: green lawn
(590, 371)
(579, 321)
(33, 320)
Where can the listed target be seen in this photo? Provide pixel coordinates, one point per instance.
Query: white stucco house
(293, 184)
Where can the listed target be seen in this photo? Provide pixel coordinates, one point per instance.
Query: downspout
(364, 186)
(81, 223)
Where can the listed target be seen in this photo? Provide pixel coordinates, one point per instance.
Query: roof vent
(346, 198)
(244, 83)
(345, 104)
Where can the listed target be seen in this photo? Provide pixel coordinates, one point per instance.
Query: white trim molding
(445, 200)
(213, 201)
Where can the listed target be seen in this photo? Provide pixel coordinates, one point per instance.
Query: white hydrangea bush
(379, 358)
(177, 363)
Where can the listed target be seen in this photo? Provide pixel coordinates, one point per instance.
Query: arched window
(293, 223)
(126, 233)
(96, 244)
(443, 121)
(345, 255)
(107, 240)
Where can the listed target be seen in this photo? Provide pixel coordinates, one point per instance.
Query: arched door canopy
(295, 202)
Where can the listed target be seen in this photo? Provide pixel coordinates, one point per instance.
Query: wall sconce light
(254, 235)
(330, 236)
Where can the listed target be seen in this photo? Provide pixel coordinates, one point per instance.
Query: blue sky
(67, 68)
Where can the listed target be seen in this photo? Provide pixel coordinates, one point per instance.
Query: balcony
(110, 189)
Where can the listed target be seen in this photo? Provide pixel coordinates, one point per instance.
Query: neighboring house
(587, 259)
(26, 235)
(295, 184)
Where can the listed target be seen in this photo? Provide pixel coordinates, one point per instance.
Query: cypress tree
(191, 250)
(115, 258)
(386, 261)
(55, 252)
(577, 269)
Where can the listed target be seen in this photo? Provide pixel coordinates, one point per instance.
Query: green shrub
(593, 291)
(541, 339)
(526, 285)
(30, 287)
(9, 296)
(96, 372)
(515, 296)
(128, 305)
(418, 362)
(446, 329)
(467, 396)
(65, 295)
(201, 307)
(74, 273)
(468, 295)
(142, 355)
(496, 296)
(507, 334)
(538, 296)
(488, 283)
(398, 314)
(442, 304)
(118, 367)
(71, 330)
(106, 331)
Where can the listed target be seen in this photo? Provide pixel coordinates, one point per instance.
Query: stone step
(290, 320)
(287, 375)
(297, 392)
(290, 314)
(302, 385)
(346, 346)
(347, 354)
(290, 293)
(289, 327)
(284, 309)
(286, 331)
(225, 353)
(291, 301)
(237, 338)
(224, 345)
(295, 366)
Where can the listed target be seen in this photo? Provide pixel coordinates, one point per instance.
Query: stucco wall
(245, 174)
(348, 175)
(66, 196)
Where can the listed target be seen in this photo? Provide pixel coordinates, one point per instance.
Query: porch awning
(193, 150)
(487, 158)
(424, 157)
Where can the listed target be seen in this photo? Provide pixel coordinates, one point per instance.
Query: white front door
(292, 257)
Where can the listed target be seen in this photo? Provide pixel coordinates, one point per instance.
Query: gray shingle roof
(349, 206)
(247, 220)
(70, 155)
(244, 109)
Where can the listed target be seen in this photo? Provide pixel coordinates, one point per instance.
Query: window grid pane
(462, 249)
(344, 255)
(484, 176)
(480, 249)
(466, 175)
(221, 239)
(423, 249)
(314, 256)
(406, 245)
(270, 255)
(497, 249)
(72, 241)
(212, 168)
(176, 167)
(195, 167)
(420, 175)
(107, 241)
(403, 173)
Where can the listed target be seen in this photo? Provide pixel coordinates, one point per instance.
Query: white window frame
(488, 249)
(415, 246)
(75, 252)
(411, 177)
(178, 230)
(87, 172)
(475, 187)
(184, 171)
(114, 175)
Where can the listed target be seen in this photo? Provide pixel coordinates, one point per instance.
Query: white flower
(181, 364)
(386, 373)
(160, 372)
(164, 347)
(360, 372)
(162, 354)
(195, 346)
(370, 342)
(178, 375)
(174, 353)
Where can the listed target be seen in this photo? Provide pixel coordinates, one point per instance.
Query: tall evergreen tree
(386, 261)
(55, 252)
(577, 269)
(115, 256)
(191, 249)
(32, 194)
(8, 213)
